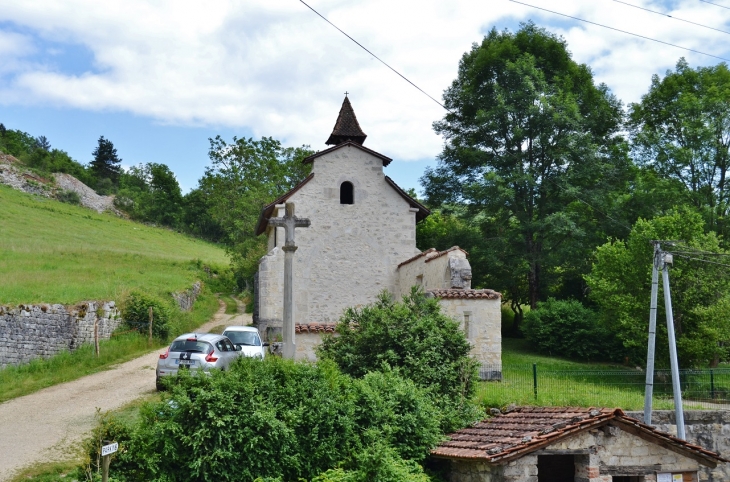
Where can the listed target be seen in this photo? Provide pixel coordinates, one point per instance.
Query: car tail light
(210, 358)
(163, 356)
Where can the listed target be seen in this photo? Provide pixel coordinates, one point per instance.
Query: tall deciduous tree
(620, 285)
(106, 162)
(243, 177)
(527, 130)
(681, 127)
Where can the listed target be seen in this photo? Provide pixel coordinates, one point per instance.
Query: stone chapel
(362, 240)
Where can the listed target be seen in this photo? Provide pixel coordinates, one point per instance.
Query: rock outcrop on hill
(14, 174)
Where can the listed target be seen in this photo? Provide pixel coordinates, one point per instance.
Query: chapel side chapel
(361, 241)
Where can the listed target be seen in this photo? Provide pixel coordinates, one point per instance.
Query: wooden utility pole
(149, 341)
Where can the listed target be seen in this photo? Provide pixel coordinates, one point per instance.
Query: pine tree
(106, 162)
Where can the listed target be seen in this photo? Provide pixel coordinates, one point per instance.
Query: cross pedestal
(289, 222)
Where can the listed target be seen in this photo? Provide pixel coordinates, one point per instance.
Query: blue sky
(160, 78)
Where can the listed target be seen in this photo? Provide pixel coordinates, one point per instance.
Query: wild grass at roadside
(16, 381)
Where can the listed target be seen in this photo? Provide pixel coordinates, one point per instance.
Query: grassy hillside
(52, 252)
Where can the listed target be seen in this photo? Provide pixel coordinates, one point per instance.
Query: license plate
(184, 362)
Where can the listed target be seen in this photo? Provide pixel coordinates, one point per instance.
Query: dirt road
(45, 425)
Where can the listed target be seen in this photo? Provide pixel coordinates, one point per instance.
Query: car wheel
(158, 384)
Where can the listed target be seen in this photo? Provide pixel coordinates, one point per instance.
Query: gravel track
(48, 425)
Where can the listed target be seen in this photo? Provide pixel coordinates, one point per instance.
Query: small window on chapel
(347, 193)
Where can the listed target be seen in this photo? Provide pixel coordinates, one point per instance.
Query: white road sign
(109, 449)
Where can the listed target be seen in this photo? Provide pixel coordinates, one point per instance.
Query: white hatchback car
(248, 339)
(196, 352)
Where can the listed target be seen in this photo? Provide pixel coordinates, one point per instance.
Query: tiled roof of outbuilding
(347, 128)
(454, 294)
(524, 430)
(314, 328)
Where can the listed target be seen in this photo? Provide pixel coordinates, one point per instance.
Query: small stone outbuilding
(361, 241)
(551, 444)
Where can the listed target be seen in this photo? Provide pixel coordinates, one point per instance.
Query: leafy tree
(530, 139)
(150, 193)
(414, 337)
(106, 163)
(196, 218)
(681, 128)
(567, 328)
(243, 177)
(620, 285)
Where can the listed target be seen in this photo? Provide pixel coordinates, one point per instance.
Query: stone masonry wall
(484, 331)
(709, 429)
(350, 252)
(32, 331)
(429, 271)
(186, 299)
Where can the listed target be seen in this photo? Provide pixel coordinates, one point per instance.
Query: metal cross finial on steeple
(346, 92)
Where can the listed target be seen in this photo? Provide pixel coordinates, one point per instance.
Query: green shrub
(135, 313)
(279, 419)
(394, 410)
(567, 328)
(415, 337)
(69, 197)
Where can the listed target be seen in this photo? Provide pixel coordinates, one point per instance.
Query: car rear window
(243, 337)
(190, 345)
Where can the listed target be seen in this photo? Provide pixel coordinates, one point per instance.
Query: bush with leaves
(281, 419)
(136, 315)
(567, 328)
(416, 338)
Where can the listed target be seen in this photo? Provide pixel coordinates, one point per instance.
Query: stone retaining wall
(32, 331)
(186, 299)
(709, 429)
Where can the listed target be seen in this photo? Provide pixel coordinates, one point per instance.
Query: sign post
(106, 452)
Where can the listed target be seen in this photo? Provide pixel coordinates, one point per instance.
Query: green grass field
(563, 382)
(52, 252)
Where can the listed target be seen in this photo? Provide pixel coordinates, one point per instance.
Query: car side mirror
(239, 347)
(266, 343)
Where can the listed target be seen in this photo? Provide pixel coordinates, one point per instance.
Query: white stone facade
(351, 252)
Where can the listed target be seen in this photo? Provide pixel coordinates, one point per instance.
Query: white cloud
(279, 70)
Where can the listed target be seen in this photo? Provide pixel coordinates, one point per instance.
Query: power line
(699, 259)
(721, 6)
(368, 51)
(673, 17)
(622, 31)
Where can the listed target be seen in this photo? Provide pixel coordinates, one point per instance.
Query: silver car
(198, 352)
(247, 338)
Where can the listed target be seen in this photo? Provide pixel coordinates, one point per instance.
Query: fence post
(150, 327)
(712, 384)
(534, 379)
(96, 336)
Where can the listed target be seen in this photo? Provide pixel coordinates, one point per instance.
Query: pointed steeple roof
(346, 128)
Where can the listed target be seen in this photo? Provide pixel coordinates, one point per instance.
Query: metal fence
(522, 384)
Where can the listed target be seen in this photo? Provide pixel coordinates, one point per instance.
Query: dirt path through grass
(48, 425)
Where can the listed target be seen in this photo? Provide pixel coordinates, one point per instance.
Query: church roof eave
(268, 210)
(386, 160)
(423, 211)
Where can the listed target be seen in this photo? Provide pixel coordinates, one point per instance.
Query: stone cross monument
(289, 222)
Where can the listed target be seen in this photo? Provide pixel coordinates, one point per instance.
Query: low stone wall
(710, 429)
(32, 331)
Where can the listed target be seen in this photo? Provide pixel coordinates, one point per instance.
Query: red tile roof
(441, 253)
(314, 328)
(524, 430)
(419, 255)
(347, 128)
(459, 294)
